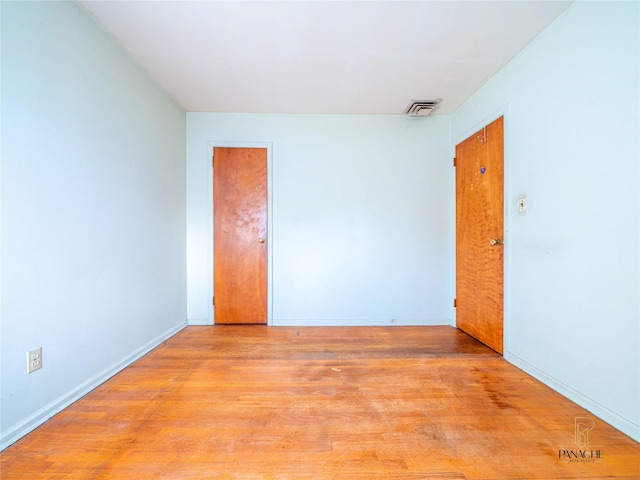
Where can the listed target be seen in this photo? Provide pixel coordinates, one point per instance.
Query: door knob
(495, 241)
(261, 240)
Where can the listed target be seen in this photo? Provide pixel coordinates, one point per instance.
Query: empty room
(318, 240)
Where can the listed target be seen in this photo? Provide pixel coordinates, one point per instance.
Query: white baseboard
(198, 321)
(625, 426)
(280, 322)
(30, 423)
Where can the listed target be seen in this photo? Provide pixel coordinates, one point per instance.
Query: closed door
(240, 235)
(479, 235)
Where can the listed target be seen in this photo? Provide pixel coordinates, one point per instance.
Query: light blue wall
(93, 210)
(360, 221)
(572, 107)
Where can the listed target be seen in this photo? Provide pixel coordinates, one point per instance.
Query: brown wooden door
(240, 235)
(479, 235)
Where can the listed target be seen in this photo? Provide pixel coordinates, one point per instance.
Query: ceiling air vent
(421, 108)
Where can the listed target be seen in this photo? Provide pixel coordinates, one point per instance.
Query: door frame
(269, 147)
(509, 206)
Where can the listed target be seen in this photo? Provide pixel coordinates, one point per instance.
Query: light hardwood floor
(254, 402)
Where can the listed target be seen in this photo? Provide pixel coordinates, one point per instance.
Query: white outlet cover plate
(34, 360)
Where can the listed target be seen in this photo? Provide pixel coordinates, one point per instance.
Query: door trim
(269, 147)
(508, 208)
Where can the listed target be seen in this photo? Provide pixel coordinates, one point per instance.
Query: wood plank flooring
(255, 402)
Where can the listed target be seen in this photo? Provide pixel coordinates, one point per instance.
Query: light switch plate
(522, 204)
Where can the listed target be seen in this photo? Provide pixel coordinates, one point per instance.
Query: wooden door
(479, 235)
(240, 235)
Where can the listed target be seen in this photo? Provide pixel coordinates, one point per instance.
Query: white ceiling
(358, 57)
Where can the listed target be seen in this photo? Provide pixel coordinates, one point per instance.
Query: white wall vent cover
(421, 108)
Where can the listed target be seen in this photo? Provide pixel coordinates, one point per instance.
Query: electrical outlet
(34, 360)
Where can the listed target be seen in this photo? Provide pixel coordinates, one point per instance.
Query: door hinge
(483, 138)
(212, 158)
(455, 162)
(213, 300)
(455, 302)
